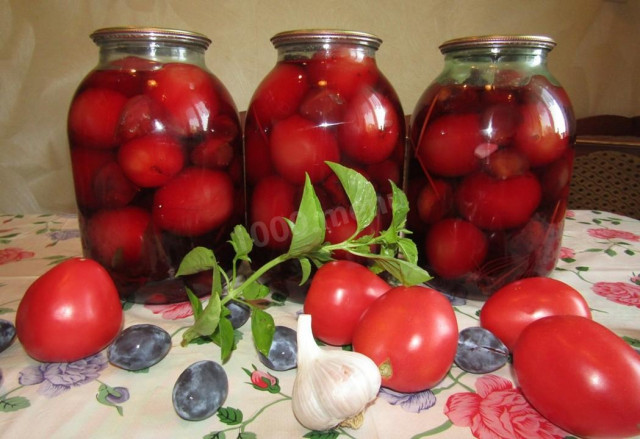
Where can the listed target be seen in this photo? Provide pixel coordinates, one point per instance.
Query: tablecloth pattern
(90, 398)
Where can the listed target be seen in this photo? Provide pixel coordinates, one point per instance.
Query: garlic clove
(331, 386)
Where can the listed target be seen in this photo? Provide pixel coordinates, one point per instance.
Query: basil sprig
(397, 255)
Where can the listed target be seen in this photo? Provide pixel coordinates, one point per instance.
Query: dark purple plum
(283, 354)
(200, 390)
(7, 334)
(479, 351)
(239, 313)
(139, 347)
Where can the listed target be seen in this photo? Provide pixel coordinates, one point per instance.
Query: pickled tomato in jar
(325, 100)
(156, 155)
(492, 153)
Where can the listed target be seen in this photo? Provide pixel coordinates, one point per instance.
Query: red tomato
(278, 95)
(580, 375)
(411, 333)
(151, 160)
(188, 95)
(257, 156)
(323, 106)
(341, 224)
(449, 143)
(94, 117)
(273, 200)
(434, 201)
(495, 204)
(70, 312)
(498, 122)
(506, 163)
(381, 173)
(340, 291)
(85, 164)
(510, 309)
(344, 71)
(541, 137)
(194, 202)
(127, 82)
(455, 247)
(140, 116)
(117, 238)
(371, 127)
(112, 188)
(213, 152)
(299, 146)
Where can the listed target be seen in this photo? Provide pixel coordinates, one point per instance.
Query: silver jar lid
(498, 41)
(155, 34)
(310, 36)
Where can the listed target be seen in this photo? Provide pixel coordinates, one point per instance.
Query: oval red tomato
(340, 291)
(151, 160)
(580, 375)
(194, 202)
(411, 333)
(513, 307)
(94, 116)
(70, 312)
(273, 199)
(496, 204)
(541, 136)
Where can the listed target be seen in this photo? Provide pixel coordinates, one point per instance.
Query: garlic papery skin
(331, 386)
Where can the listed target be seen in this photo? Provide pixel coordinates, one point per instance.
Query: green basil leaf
(227, 341)
(262, 329)
(197, 260)
(399, 207)
(407, 273)
(305, 266)
(255, 290)
(206, 323)
(241, 242)
(307, 233)
(196, 305)
(360, 192)
(408, 249)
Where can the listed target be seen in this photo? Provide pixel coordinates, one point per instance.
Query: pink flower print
(603, 233)
(498, 410)
(567, 253)
(619, 292)
(14, 254)
(263, 380)
(172, 311)
(635, 279)
(570, 214)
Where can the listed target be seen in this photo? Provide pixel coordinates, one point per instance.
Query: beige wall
(45, 51)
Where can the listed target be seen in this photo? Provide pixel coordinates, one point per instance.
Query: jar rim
(307, 36)
(156, 34)
(498, 41)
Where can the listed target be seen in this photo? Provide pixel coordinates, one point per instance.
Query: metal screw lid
(306, 36)
(156, 34)
(498, 41)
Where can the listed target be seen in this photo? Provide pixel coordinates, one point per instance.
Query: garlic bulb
(331, 386)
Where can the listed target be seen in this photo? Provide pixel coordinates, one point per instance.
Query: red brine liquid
(490, 180)
(157, 163)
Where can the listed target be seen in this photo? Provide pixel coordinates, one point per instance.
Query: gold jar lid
(155, 34)
(498, 41)
(311, 36)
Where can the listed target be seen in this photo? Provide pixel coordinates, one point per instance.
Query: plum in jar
(492, 152)
(324, 100)
(156, 154)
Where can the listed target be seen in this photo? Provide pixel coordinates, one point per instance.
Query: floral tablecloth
(91, 398)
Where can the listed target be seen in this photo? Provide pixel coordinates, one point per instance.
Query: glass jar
(325, 100)
(493, 145)
(156, 154)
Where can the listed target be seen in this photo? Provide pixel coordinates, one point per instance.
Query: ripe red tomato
(498, 122)
(541, 137)
(340, 291)
(140, 116)
(94, 116)
(344, 71)
(371, 127)
(448, 145)
(496, 204)
(112, 188)
(322, 106)
(151, 160)
(257, 157)
(70, 312)
(273, 200)
(299, 146)
(506, 163)
(455, 247)
(434, 201)
(278, 95)
(85, 164)
(411, 333)
(194, 202)
(213, 152)
(341, 224)
(510, 309)
(188, 95)
(580, 375)
(117, 237)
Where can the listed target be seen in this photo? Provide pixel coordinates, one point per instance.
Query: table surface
(600, 257)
